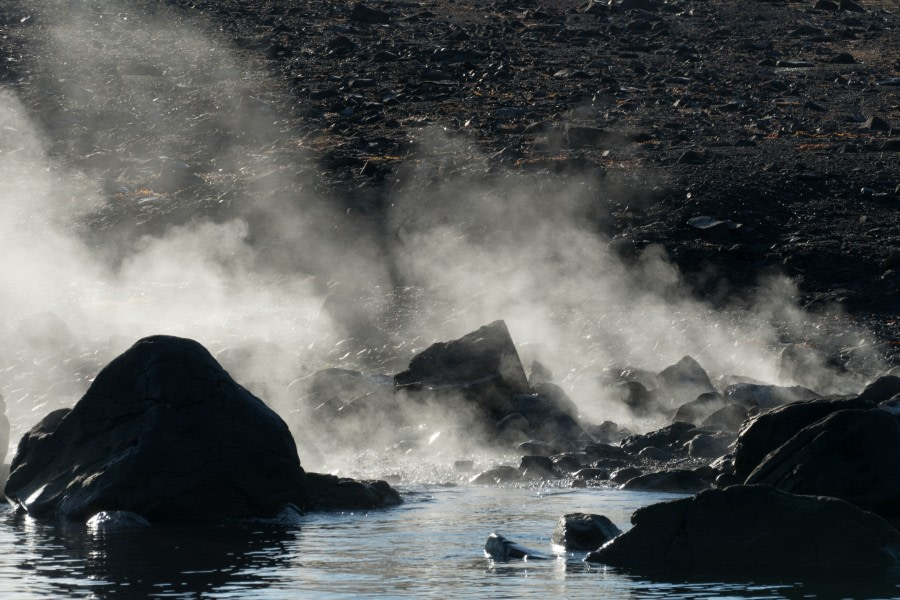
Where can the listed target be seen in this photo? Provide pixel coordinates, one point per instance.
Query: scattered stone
(753, 530)
(577, 532)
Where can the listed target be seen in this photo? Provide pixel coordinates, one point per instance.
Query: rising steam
(278, 281)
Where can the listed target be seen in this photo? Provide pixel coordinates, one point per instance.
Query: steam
(277, 280)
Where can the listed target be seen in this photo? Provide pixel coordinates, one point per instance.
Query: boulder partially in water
(582, 531)
(850, 454)
(163, 432)
(753, 530)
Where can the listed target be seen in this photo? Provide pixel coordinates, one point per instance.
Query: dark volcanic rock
(729, 418)
(485, 355)
(753, 395)
(749, 529)
(327, 492)
(685, 380)
(766, 432)
(668, 438)
(697, 410)
(581, 531)
(163, 432)
(850, 454)
(500, 548)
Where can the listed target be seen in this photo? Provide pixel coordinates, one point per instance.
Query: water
(429, 547)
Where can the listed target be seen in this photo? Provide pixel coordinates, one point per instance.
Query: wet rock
(163, 432)
(842, 58)
(328, 492)
(676, 481)
(568, 462)
(685, 380)
(598, 451)
(766, 432)
(582, 477)
(540, 467)
(636, 397)
(655, 454)
(850, 454)
(753, 530)
(497, 476)
(851, 6)
(499, 548)
(751, 395)
(577, 532)
(625, 475)
(668, 438)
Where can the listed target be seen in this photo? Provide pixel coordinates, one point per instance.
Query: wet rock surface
(753, 529)
(580, 531)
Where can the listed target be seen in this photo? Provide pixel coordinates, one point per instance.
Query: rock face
(766, 432)
(753, 529)
(163, 432)
(580, 531)
(851, 454)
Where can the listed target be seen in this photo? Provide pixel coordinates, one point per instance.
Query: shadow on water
(172, 561)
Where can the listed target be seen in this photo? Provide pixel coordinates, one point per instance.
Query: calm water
(430, 546)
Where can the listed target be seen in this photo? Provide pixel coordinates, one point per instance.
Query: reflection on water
(430, 546)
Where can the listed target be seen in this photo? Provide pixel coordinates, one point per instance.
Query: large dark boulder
(676, 481)
(850, 454)
(753, 530)
(328, 492)
(670, 438)
(166, 433)
(766, 432)
(697, 410)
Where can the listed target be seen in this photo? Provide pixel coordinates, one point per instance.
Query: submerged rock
(581, 531)
(749, 529)
(163, 432)
(499, 548)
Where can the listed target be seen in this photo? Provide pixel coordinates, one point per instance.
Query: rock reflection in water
(187, 560)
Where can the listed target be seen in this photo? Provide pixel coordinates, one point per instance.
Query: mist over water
(100, 248)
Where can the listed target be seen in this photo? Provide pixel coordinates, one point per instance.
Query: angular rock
(163, 432)
(728, 419)
(881, 389)
(581, 531)
(668, 438)
(685, 380)
(766, 432)
(752, 530)
(850, 454)
(697, 410)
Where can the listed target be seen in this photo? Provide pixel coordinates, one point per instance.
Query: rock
(636, 397)
(794, 64)
(752, 530)
(842, 58)
(537, 448)
(875, 123)
(547, 417)
(765, 432)
(538, 373)
(706, 446)
(881, 389)
(728, 418)
(699, 409)
(497, 476)
(751, 395)
(590, 474)
(596, 451)
(655, 454)
(849, 454)
(568, 463)
(625, 475)
(577, 532)
(668, 438)
(685, 380)
(328, 492)
(540, 467)
(676, 481)
(365, 14)
(499, 548)
(851, 6)
(482, 366)
(691, 157)
(163, 432)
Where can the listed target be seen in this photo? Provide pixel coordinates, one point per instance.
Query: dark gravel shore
(743, 137)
